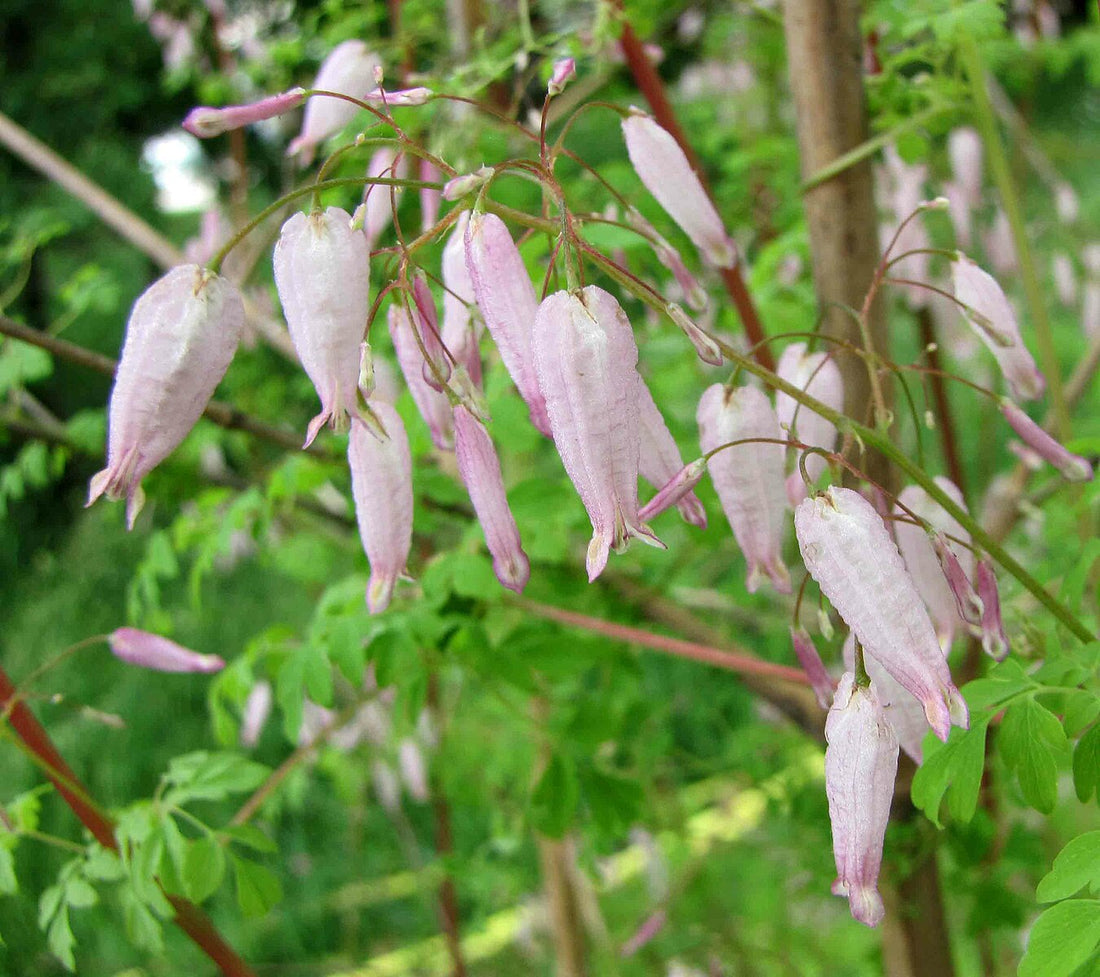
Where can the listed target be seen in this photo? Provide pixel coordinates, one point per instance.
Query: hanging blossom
(818, 375)
(461, 330)
(322, 274)
(433, 405)
(994, 639)
(987, 309)
(508, 305)
(861, 762)
(659, 460)
(375, 214)
(381, 483)
(749, 477)
(1073, 467)
(585, 356)
(159, 654)
(349, 69)
(806, 652)
(180, 338)
(206, 122)
(667, 174)
(480, 470)
(848, 551)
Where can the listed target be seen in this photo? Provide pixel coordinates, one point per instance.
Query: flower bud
(667, 174)
(349, 70)
(564, 71)
(437, 367)
(670, 494)
(989, 312)
(806, 652)
(480, 470)
(465, 183)
(1073, 467)
(434, 406)
(994, 640)
(381, 483)
(180, 339)
(379, 200)
(849, 552)
(161, 655)
(659, 460)
(968, 604)
(749, 477)
(206, 122)
(257, 709)
(585, 356)
(460, 332)
(401, 98)
(322, 274)
(861, 762)
(705, 347)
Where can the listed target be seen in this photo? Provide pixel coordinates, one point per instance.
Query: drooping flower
(402, 97)
(508, 305)
(465, 183)
(819, 376)
(667, 174)
(381, 483)
(180, 339)
(564, 71)
(257, 709)
(659, 458)
(964, 148)
(920, 557)
(967, 602)
(994, 640)
(480, 470)
(161, 655)
(585, 356)
(379, 201)
(322, 273)
(206, 122)
(437, 365)
(987, 309)
(848, 551)
(461, 328)
(694, 293)
(675, 489)
(861, 762)
(749, 477)
(806, 652)
(430, 198)
(433, 405)
(705, 347)
(349, 69)
(414, 772)
(1073, 467)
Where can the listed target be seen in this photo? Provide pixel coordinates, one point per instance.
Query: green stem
(1010, 198)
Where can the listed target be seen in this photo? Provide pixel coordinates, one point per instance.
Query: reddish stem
(653, 88)
(946, 423)
(729, 660)
(192, 920)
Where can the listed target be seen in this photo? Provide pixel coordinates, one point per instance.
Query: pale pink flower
(159, 654)
(564, 71)
(461, 328)
(906, 199)
(806, 652)
(508, 305)
(1000, 246)
(1066, 203)
(705, 348)
(586, 360)
(958, 206)
(429, 199)
(664, 169)
(381, 482)
(1090, 310)
(205, 122)
(964, 148)
(920, 557)
(959, 579)
(257, 709)
(465, 183)
(1065, 278)
(379, 200)
(1073, 467)
(675, 489)
(848, 551)
(861, 762)
(413, 769)
(349, 69)
(387, 788)
(994, 640)
(480, 470)
(659, 460)
(988, 310)
(322, 273)
(180, 339)
(818, 375)
(402, 97)
(434, 406)
(749, 477)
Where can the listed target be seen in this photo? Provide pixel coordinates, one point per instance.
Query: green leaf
(142, 927)
(203, 868)
(956, 765)
(211, 776)
(1077, 865)
(1080, 710)
(258, 888)
(614, 800)
(1086, 765)
(60, 939)
(251, 836)
(8, 884)
(1030, 736)
(80, 894)
(1063, 938)
(554, 799)
(1002, 683)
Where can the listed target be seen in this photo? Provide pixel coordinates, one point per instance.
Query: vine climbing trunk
(825, 58)
(824, 55)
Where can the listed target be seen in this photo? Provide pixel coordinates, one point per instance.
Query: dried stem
(192, 920)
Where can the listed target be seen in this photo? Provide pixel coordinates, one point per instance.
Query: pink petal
(819, 376)
(434, 406)
(659, 460)
(1073, 467)
(806, 652)
(205, 122)
(161, 655)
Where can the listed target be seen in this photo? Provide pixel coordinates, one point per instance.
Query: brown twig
(944, 418)
(653, 88)
(192, 920)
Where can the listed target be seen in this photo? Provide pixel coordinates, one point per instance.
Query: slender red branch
(945, 419)
(192, 920)
(730, 660)
(653, 88)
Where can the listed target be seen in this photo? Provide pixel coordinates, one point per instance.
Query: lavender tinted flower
(849, 552)
(466, 183)
(664, 169)
(585, 356)
(988, 310)
(437, 366)
(206, 122)
(180, 339)
(381, 483)
(480, 470)
(683, 482)
(818, 375)
(460, 332)
(159, 654)
(749, 477)
(861, 762)
(659, 460)
(322, 273)
(994, 640)
(705, 347)
(564, 71)
(434, 406)
(1073, 467)
(806, 652)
